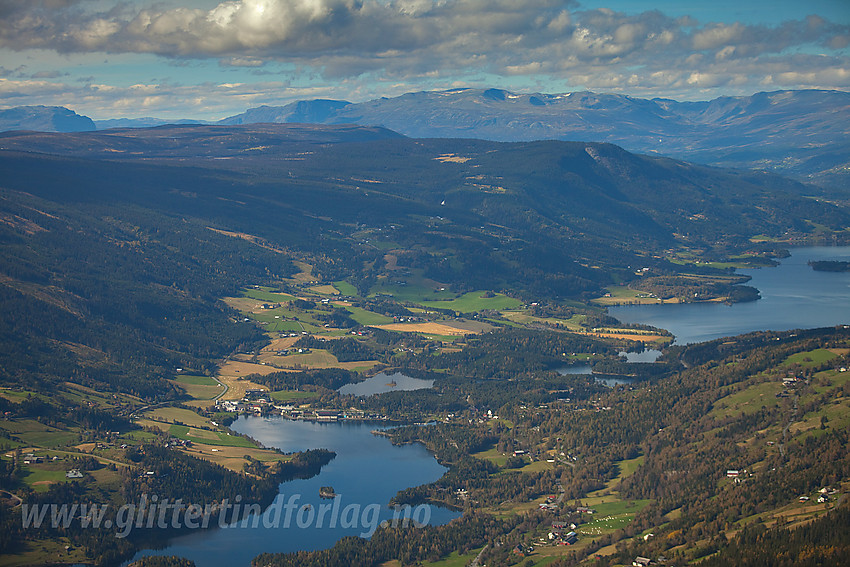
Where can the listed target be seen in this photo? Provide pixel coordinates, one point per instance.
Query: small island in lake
(327, 492)
(829, 265)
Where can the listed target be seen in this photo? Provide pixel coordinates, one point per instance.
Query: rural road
(478, 557)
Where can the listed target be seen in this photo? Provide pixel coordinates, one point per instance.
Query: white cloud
(364, 44)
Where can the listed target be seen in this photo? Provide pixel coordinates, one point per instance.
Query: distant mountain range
(44, 119)
(800, 134)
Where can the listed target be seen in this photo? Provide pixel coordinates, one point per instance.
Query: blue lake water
(577, 369)
(366, 473)
(369, 470)
(381, 382)
(794, 296)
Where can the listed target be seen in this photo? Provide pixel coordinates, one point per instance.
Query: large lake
(367, 471)
(794, 296)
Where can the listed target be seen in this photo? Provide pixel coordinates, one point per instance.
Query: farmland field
(346, 288)
(209, 437)
(178, 415)
(291, 395)
(198, 387)
(476, 301)
(424, 328)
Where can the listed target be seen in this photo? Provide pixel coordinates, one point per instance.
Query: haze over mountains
(800, 134)
(44, 119)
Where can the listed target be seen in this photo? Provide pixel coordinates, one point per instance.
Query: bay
(794, 296)
(367, 472)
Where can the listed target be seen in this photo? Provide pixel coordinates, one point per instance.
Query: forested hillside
(157, 284)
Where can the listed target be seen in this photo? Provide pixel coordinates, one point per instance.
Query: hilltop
(800, 134)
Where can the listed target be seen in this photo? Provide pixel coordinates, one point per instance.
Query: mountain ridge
(802, 134)
(44, 119)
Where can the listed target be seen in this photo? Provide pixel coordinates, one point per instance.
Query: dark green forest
(119, 250)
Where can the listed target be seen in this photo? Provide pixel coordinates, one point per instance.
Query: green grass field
(346, 288)
(183, 416)
(830, 379)
(198, 387)
(622, 294)
(628, 467)
(611, 516)
(281, 319)
(749, 400)
(492, 455)
(454, 559)
(17, 396)
(415, 293)
(40, 478)
(537, 466)
(318, 358)
(475, 301)
(365, 317)
(810, 358)
(33, 433)
(262, 295)
(139, 436)
(523, 318)
(292, 395)
(196, 380)
(209, 437)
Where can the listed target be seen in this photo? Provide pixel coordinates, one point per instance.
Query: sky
(208, 59)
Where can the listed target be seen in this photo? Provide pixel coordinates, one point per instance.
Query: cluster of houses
(560, 536)
(550, 505)
(823, 495)
(738, 475)
(258, 402)
(285, 352)
(32, 459)
(790, 382)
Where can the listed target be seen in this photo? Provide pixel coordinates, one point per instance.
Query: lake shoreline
(792, 296)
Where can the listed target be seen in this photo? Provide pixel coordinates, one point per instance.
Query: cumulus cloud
(402, 40)
(206, 100)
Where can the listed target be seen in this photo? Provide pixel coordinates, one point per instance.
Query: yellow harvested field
(153, 424)
(250, 238)
(236, 387)
(391, 262)
(244, 304)
(232, 375)
(451, 158)
(316, 359)
(233, 457)
(632, 337)
(426, 328)
(281, 344)
(197, 391)
(199, 403)
(306, 273)
(239, 368)
(171, 415)
(324, 289)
